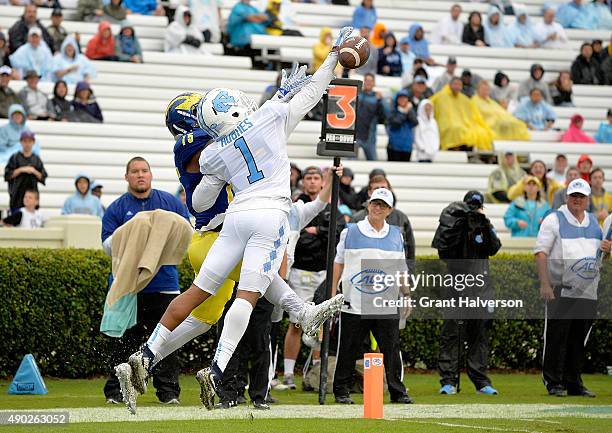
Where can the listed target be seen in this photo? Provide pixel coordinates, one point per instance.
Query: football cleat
(312, 316)
(124, 375)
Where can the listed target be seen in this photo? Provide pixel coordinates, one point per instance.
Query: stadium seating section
(133, 98)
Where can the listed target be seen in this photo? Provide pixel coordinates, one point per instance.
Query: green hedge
(52, 303)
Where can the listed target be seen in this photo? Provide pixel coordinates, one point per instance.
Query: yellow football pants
(211, 310)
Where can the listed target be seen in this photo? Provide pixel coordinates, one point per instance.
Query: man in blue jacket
(153, 299)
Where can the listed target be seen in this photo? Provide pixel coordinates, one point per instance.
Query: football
(354, 52)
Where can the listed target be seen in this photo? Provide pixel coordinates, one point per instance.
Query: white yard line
(438, 411)
(475, 427)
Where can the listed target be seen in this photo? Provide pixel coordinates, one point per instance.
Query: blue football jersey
(185, 148)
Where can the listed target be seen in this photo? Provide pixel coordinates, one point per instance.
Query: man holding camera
(466, 239)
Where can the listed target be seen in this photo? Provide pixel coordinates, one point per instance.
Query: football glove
(291, 83)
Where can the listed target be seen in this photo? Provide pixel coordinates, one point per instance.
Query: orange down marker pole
(373, 370)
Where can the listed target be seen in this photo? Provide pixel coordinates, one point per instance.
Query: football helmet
(222, 109)
(181, 113)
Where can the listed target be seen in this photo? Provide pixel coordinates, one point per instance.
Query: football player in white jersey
(249, 151)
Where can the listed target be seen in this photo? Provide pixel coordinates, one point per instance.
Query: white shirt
(366, 229)
(606, 228)
(543, 30)
(262, 137)
(30, 220)
(448, 31)
(548, 240)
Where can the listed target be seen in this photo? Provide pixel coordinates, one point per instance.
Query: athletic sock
(158, 338)
(289, 366)
(234, 326)
(189, 329)
(279, 293)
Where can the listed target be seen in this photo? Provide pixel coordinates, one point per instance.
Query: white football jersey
(253, 159)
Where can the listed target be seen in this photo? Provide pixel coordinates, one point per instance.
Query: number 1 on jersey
(254, 173)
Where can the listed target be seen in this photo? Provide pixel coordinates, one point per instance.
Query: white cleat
(140, 371)
(312, 316)
(124, 374)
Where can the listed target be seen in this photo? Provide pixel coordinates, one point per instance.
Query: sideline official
(566, 254)
(369, 239)
(153, 299)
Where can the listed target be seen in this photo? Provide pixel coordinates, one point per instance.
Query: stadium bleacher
(134, 96)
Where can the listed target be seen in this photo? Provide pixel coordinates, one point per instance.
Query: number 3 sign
(339, 119)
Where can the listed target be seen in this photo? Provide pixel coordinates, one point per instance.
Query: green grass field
(522, 406)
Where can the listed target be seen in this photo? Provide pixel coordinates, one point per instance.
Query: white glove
(292, 83)
(345, 33)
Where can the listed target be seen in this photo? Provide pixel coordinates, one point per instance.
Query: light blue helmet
(222, 109)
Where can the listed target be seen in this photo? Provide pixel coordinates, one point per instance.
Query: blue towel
(120, 317)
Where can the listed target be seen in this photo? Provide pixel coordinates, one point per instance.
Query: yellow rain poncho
(460, 122)
(504, 125)
(321, 49)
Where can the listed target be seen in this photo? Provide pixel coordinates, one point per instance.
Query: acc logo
(586, 268)
(366, 282)
(223, 102)
(377, 362)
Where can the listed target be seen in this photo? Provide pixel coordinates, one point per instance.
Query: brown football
(354, 52)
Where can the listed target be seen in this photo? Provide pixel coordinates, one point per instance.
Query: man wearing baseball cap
(371, 239)
(566, 251)
(18, 33)
(7, 96)
(34, 55)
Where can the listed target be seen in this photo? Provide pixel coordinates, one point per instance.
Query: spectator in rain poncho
(522, 31)
(365, 15)
(144, 7)
(535, 81)
(496, 32)
(459, 121)
(35, 55)
(418, 44)
(604, 132)
(576, 15)
(10, 133)
(127, 47)
(503, 177)
(321, 49)
(70, 65)
(574, 133)
(426, 134)
(83, 201)
(102, 45)
(550, 33)
(182, 35)
(503, 124)
(535, 112)
(378, 35)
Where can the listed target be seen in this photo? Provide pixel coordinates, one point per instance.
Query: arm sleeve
(546, 235)
(340, 248)
(310, 210)
(309, 96)
(66, 207)
(109, 224)
(206, 192)
(9, 169)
